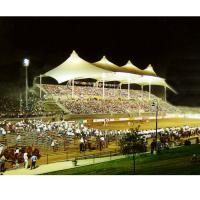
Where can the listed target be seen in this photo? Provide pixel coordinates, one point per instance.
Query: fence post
(47, 159)
(93, 159)
(67, 155)
(134, 163)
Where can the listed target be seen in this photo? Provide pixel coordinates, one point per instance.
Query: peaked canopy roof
(105, 64)
(75, 68)
(131, 68)
(149, 70)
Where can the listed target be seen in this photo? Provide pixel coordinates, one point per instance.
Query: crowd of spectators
(12, 107)
(9, 106)
(86, 100)
(89, 100)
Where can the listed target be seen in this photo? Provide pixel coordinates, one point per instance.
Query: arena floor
(147, 124)
(120, 125)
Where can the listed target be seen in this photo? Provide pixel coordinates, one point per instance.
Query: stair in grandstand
(53, 106)
(40, 87)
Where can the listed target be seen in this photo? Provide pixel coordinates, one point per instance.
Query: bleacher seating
(89, 100)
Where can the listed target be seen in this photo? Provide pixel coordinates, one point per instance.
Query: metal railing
(67, 156)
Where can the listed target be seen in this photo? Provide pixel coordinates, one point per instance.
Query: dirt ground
(49, 156)
(71, 152)
(147, 124)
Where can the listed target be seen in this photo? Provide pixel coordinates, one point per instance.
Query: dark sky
(171, 45)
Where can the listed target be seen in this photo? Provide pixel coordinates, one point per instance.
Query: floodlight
(26, 62)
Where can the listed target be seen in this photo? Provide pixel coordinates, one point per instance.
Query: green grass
(172, 162)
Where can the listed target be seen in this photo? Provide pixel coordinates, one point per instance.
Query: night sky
(171, 45)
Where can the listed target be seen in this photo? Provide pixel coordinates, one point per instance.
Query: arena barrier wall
(143, 118)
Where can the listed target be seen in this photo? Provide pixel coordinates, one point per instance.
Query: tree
(131, 143)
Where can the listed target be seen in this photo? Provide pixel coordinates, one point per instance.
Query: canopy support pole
(149, 90)
(40, 86)
(103, 88)
(165, 97)
(120, 88)
(72, 88)
(20, 102)
(142, 88)
(128, 89)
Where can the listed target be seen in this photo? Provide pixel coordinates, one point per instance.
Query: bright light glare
(26, 62)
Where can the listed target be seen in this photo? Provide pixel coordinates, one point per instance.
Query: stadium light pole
(20, 102)
(26, 63)
(40, 86)
(155, 104)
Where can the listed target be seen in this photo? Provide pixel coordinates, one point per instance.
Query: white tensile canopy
(150, 80)
(132, 68)
(105, 64)
(121, 74)
(75, 68)
(149, 69)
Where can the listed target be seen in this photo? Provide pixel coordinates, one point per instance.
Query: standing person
(85, 144)
(152, 147)
(26, 160)
(81, 144)
(33, 161)
(2, 163)
(53, 145)
(102, 140)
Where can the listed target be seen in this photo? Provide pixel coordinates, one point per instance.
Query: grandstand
(105, 94)
(89, 100)
(109, 92)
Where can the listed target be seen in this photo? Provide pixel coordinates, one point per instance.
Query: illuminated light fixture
(26, 62)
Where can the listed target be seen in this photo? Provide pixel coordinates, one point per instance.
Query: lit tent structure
(104, 63)
(149, 77)
(119, 74)
(130, 74)
(75, 68)
(151, 80)
(131, 68)
(149, 70)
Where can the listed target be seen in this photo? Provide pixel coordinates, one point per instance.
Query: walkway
(60, 166)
